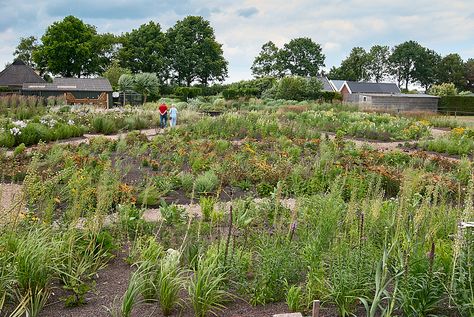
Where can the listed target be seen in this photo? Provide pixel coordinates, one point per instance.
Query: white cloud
(244, 26)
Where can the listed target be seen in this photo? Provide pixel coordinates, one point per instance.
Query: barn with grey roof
(16, 74)
(386, 97)
(76, 90)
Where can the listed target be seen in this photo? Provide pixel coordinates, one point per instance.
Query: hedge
(233, 93)
(187, 92)
(461, 105)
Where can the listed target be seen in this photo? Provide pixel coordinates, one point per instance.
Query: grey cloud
(247, 12)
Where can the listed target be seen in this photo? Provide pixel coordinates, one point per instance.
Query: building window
(364, 99)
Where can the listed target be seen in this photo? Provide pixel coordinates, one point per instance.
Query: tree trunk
(144, 98)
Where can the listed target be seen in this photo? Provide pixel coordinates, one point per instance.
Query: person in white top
(173, 116)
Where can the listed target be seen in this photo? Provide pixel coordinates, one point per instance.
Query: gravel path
(11, 197)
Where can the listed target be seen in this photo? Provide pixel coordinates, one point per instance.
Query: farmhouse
(386, 97)
(17, 73)
(97, 91)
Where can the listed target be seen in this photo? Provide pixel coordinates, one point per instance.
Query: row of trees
(186, 53)
(407, 63)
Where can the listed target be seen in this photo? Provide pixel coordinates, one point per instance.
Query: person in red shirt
(163, 115)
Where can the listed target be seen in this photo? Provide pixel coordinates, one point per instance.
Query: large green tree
(404, 61)
(72, 48)
(267, 63)
(24, 50)
(353, 68)
(144, 50)
(377, 62)
(469, 74)
(451, 69)
(302, 57)
(194, 53)
(425, 71)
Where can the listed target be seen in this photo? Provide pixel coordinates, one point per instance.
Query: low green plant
(207, 207)
(173, 214)
(169, 281)
(20, 149)
(206, 182)
(206, 287)
(294, 298)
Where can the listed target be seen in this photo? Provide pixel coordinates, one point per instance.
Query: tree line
(406, 63)
(184, 54)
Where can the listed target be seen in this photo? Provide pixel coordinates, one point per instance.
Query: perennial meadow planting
(282, 213)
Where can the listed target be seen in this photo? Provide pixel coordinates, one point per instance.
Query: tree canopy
(72, 48)
(24, 50)
(302, 57)
(353, 68)
(194, 52)
(299, 57)
(143, 50)
(266, 64)
(377, 64)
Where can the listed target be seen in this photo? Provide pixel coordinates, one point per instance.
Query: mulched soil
(112, 282)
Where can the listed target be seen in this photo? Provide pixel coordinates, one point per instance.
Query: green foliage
(294, 298)
(72, 48)
(378, 62)
(24, 50)
(302, 57)
(354, 67)
(451, 69)
(126, 82)
(273, 269)
(206, 182)
(206, 287)
(113, 74)
(233, 93)
(267, 63)
(444, 89)
(297, 88)
(188, 92)
(146, 84)
(193, 60)
(143, 50)
(456, 104)
(169, 281)
(20, 149)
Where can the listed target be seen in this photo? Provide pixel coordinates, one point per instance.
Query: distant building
(337, 84)
(327, 86)
(351, 89)
(386, 97)
(97, 91)
(16, 74)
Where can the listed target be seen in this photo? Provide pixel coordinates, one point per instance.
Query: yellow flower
(458, 131)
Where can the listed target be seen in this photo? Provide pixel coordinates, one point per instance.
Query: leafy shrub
(102, 124)
(20, 149)
(188, 92)
(206, 182)
(33, 133)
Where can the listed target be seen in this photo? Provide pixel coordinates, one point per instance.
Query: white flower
(19, 124)
(15, 131)
(70, 122)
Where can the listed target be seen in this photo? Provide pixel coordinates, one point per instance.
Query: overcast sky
(242, 27)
